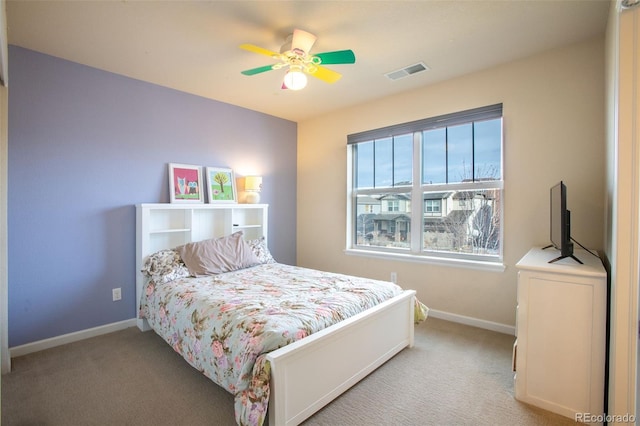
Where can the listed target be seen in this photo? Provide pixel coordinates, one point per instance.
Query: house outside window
(450, 167)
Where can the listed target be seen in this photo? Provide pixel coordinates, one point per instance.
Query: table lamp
(253, 185)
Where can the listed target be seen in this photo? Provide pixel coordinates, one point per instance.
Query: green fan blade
(258, 70)
(337, 57)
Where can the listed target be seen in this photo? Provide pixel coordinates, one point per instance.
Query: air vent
(407, 71)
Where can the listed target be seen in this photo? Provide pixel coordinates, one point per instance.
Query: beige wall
(553, 130)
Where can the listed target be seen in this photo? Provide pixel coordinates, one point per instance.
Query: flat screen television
(560, 223)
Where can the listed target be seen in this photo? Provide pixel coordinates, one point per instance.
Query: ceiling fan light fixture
(295, 55)
(295, 79)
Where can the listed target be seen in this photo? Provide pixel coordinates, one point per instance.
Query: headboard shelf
(246, 226)
(164, 226)
(165, 231)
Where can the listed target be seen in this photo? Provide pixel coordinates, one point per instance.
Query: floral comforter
(225, 324)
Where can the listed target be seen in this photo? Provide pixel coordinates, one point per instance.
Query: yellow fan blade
(260, 50)
(326, 75)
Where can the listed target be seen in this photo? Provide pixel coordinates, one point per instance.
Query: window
(432, 207)
(393, 206)
(448, 167)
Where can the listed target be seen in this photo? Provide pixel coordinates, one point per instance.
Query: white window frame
(431, 204)
(393, 206)
(416, 252)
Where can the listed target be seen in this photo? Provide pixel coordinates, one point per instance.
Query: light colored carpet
(454, 375)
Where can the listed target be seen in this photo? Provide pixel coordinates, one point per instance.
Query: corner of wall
(5, 360)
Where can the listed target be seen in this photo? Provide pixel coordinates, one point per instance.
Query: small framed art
(185, 183)
(221, 185)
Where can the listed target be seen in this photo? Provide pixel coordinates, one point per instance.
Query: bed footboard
(308, 374)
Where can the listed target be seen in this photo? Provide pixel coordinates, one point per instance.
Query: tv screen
(560, 226)
(558, 215)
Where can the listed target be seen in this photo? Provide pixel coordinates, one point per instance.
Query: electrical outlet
(117, 294)
(394, 277)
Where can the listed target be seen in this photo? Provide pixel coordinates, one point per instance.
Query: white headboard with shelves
(165, 226)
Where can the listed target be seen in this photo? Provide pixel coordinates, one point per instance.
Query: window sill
(432, 260)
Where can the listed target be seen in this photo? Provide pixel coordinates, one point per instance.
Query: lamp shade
(295, 79)
(253, 183)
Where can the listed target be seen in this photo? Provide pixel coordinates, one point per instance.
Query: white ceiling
(192, 46)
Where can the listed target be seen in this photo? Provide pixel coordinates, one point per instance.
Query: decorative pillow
(260, 249)
(215, 256)
(164, 266)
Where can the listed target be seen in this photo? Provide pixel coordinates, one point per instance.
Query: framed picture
(185, 183)
(221, 185)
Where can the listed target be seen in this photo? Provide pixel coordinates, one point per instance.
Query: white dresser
(559, 354)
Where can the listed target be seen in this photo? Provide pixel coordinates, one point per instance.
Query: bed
(237, 316)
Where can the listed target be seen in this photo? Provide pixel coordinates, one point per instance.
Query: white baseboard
(70, 338)
(116, 326)
(474, 322)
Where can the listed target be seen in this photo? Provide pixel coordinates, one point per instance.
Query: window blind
(476, 114)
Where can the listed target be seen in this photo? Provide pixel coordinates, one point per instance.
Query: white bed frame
(308, 374)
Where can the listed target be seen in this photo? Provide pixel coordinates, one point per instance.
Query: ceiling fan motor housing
(300, 40)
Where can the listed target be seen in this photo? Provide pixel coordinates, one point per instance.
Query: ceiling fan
(295, 55)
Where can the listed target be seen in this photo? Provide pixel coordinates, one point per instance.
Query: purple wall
(85, 146)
